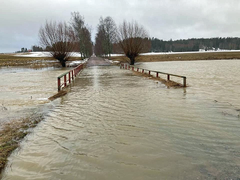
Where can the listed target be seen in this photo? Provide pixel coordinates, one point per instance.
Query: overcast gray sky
(20, 20)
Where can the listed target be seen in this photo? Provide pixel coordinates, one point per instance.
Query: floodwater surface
(115, 125)
(23, 89)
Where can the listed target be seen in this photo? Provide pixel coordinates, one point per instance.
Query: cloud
(20, 20)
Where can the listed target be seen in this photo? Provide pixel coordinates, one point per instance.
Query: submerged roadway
(96, 61)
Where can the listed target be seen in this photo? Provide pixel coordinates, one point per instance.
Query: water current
(115, 125)
(24, 89)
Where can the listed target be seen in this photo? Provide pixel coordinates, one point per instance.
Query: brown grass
(12, 133)
(59, 94)
(182, 57)
(32, 62)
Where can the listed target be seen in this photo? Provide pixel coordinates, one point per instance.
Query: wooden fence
(68, 77)
(134, 68)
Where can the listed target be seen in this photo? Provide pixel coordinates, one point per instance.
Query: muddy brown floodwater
(114, 125)
(23, 90)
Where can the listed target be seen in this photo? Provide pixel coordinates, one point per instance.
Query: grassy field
(11, 60)
(35, 62)
(32, 62)
(182, 57)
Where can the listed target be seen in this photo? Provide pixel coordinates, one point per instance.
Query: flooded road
(114, 125)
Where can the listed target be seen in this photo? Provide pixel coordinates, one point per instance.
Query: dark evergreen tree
(195, 44)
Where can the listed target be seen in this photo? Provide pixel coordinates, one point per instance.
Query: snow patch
(76, 63)
(187, 52)
(111, 61)
(114, 55)
(43, 54)
(34, 54)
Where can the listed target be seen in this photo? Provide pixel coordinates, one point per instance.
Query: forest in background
(182, 45)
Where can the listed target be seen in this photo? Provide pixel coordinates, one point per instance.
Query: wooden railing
(133, 68)
(68, 77)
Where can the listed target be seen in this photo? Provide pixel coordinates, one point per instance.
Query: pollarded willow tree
(133, 40)
(59, 39)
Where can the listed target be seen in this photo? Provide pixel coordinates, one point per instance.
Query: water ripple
(114, 125)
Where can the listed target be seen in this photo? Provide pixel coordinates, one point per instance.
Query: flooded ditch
(115, 125)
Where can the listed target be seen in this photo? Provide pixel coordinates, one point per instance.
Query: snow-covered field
(75, 63)
(111, 61)
(189, 52)
(42, 54)
(47, 54)
(33, 54)
(76, 54)
(162, 53)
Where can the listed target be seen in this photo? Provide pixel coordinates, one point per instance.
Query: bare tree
(106, 36)
(59, 39)
(83, 34)
(100, 45)
(110, 32)
(133, 39)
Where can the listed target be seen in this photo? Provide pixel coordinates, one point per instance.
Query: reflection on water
(114, 125)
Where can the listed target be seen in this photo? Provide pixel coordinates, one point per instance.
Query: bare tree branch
(133, 39)
(59, 39)
(106, 36)
(83, 34)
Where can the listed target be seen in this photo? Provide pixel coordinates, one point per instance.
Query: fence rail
(133, 68)
(68, 77)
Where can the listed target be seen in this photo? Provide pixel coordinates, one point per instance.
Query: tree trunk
(63, 63)
(132, 60)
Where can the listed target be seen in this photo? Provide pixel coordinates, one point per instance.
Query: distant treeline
(37, 48)
(195, 44)
(182, 45)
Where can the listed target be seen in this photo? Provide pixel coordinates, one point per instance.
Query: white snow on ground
(162, 53)
(42, 54)
(47, 54)
(76, 63)
(189, 52)
(34, 54)
(76, 54)
(111, 61)
(117, 55)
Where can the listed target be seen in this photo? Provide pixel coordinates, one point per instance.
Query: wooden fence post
(184, 82)
(59, 84)
(65, 80)
(69, 76)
